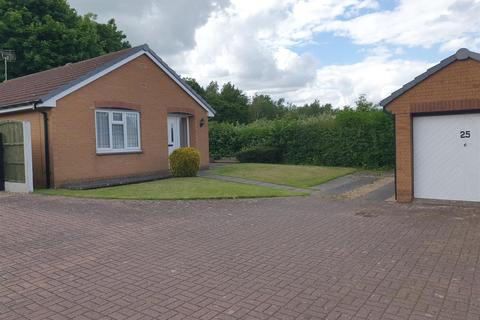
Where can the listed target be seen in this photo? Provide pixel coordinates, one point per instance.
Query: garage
(437, 129)
(446, 157)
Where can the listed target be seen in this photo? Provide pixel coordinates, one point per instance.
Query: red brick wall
(139, 85)
(452, 89)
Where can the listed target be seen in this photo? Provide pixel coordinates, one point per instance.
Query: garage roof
(45, 88)
(461, 54)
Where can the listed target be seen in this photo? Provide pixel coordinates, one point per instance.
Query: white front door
(446, 157)
(173, 134)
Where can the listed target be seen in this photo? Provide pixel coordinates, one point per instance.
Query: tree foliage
(230, 102)
(313, 109)
(233, 106)
(362, 104)
(264, 107)
(49, 33)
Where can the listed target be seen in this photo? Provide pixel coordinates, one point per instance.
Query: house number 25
(465, 134)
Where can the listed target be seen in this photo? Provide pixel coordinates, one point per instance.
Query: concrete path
(364, 184)
(360, 185)
(206, 174)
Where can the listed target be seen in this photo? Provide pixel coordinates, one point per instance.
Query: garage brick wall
(453, 89)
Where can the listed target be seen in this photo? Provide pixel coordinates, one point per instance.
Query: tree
(264, 107)
(234, 105)
(111, 39)
(229, 103)
(49, 33)
(195, 86)
(313, 109)
(212, 96)
(362, 104)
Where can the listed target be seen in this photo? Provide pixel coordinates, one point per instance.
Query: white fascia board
(16, 109)
(52, 102)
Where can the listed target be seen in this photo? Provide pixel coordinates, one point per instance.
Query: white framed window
(117, 131)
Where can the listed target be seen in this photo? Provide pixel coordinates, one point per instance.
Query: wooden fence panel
(13, 151)
(2, 175)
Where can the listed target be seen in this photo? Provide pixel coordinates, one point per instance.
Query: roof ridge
(46, 87)
(70, 64)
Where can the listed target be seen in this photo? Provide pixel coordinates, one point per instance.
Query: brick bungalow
(110, 119)
(437, 128)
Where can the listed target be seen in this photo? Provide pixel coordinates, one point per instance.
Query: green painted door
(13, 151)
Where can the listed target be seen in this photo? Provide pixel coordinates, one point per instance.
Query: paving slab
(382, 194)
(348, 185)
(283, 258)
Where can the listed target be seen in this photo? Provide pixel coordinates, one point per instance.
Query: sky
(300, 50)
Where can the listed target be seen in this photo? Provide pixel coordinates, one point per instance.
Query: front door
(173, 134)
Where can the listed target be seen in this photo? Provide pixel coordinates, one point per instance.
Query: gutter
(47, 150)
(20, 107)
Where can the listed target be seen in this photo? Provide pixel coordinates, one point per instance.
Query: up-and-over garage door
(446, 157)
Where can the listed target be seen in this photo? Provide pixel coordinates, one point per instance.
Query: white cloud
(237, 54)
(413, 23)
(307, 16)
(376, 76)
(168, 26)
(251, 45)
(254, 44)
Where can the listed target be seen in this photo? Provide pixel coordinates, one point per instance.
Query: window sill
(118, 152)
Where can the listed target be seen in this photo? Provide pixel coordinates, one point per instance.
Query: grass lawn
(291, 175)
(175, 189)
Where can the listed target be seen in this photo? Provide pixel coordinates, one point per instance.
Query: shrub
(260, 154)
(185, 162)
(223, 139)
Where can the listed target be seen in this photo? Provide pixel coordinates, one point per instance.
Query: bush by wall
(185, 162)
(349, 138)
(260, 154)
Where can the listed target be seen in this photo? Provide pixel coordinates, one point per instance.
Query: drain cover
(366, 214)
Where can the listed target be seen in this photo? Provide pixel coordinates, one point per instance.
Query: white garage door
(447, 157)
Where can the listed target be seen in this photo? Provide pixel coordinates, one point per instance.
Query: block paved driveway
(292, 258)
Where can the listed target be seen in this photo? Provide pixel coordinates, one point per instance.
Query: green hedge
(350, 138)
(260, 154)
